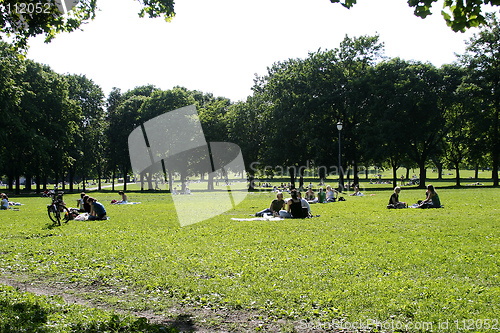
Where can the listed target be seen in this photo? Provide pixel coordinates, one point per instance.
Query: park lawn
(358, 261)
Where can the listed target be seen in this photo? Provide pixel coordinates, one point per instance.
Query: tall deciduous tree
(483, 59)
(157, 104)
(89, 143)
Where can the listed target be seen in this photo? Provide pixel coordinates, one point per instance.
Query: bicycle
(57, 210)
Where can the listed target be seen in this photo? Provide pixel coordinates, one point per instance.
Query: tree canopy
(457, 14)
(25, 19)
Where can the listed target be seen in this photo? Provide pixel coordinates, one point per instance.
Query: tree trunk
(149, 177)
(457, 174)
(171, 180)
(18, 185)
(11, 182)
(210, 185)
(125, 172)
(355, 170)
(440, 170)
(37, 180)
(476, 172)
(27, 185)
(63, 186)
(423, 174)
(496, 149)
(251, 180)
(71, 179)
(292, 177)
(394, 176)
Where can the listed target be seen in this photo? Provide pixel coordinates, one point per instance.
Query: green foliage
(461, 15)
(48, 20)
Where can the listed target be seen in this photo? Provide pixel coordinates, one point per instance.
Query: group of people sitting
(431, 199)
(90, 205)
(294, 207)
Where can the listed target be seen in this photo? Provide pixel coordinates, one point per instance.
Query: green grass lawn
(357, 262)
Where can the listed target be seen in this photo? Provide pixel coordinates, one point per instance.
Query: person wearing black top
(394, 200)
(293, 207)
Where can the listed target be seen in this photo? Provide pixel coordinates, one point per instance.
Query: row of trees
(394, 113)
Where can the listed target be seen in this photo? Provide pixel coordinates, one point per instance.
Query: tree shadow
(30, 316)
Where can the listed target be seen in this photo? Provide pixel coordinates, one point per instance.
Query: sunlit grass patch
(357, 261)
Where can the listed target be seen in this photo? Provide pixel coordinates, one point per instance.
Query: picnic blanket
(258, 219)
(125, 203)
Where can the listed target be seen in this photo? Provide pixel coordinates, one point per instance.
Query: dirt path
(183, 318)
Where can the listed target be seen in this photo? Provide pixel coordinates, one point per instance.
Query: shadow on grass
(30, 316)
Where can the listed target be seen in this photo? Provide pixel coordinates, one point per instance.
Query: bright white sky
(217, 46)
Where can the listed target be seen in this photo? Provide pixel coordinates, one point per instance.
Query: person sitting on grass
(5, 202)
(97, 210)
(394, 200)
(310, 195)
(321, 196)
(124, 198)
(80, 203)
(86, 204)
(431, 200)
(356, 192)
(293, 207)
(275, 207)
(306, 208)
(331, 195)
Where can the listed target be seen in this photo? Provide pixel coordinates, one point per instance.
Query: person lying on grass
(275, 207)
(431, 200)
(394, 200)
(97, 210)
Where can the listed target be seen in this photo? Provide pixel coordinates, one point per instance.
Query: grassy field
(358, 264)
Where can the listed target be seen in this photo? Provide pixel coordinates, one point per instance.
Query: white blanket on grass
(259, 219)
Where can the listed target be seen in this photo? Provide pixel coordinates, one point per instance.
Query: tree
(11, 67)
(356, 56)
(88, 149)
(122, 122)
(47, 17)
(112, 131)
(459, 17)
(246, 127)
(157, 104)
(482, 57)
(385, 138)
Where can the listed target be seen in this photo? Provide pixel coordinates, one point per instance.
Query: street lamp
(341, 180)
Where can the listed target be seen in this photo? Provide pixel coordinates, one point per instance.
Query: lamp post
(341, 180)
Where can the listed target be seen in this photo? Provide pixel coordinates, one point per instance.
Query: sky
(218, 46)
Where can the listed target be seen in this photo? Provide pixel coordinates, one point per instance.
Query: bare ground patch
(185, 319)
